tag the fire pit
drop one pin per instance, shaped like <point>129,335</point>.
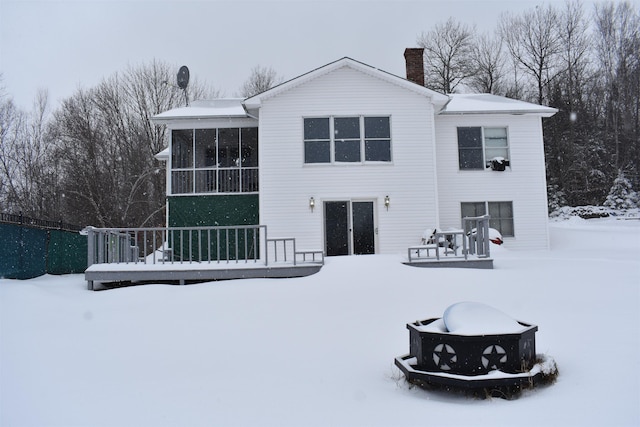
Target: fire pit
<point>474,346</point>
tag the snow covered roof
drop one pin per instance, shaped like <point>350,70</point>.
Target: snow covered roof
<point>256,100</point>
<point>485,103</point>
<point>217,108</point>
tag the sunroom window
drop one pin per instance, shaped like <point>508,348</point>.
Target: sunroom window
<point>347,139</point>
<point>223,160</point>
<point>481,147</point>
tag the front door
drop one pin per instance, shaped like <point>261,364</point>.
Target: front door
<point>349,228</point>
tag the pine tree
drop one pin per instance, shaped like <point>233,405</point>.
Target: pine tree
<point>621,195</point>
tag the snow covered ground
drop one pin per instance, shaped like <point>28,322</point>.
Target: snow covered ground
<point>319,351</point>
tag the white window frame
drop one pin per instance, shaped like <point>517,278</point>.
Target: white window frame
<point>219,171</point>
<point>492,220</point>
<point>486,161</point>
<point>362,138</point>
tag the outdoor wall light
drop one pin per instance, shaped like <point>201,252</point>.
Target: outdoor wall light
<point>312,203</point>
<point>387,202</point>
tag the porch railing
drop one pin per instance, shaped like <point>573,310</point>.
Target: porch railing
<point>473,239</point>
<point>477,230</point>
<point>171,245</point>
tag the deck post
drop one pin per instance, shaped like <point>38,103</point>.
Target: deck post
<point>266,248</point>
<point>91,246</point>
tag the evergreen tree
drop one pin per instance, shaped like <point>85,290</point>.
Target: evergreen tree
<point>621,195</point>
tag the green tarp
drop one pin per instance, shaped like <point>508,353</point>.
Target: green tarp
<point>27,252</point>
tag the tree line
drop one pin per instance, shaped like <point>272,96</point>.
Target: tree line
<point>585,63</point>
<point>91,160</point>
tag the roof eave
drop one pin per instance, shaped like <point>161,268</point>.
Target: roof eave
<point>547,113</point>
<point>255,101</point>
<point>169,120</point>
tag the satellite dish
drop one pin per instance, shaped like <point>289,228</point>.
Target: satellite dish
<point>183,77</point>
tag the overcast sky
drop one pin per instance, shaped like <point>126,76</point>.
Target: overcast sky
<point>63,45</point>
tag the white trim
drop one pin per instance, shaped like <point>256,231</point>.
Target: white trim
<point>256,100</point>
<point>485,103</point>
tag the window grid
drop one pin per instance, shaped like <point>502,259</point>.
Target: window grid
<point>208,175</point>
<point>323,148</point>
<point>477,146</point>
<point>501,214</point>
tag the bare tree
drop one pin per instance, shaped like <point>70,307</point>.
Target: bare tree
<point>25,172</point>
<point>617,36</point>
<point>574,50</point>
<point>533,42</point>
<point>569,134</point>
<point>260,80</point>
<point>448,53</point>
<point>489,59</point>
<point>106,146</point>
<point>11,132</point>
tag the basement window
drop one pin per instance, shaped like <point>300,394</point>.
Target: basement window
<point>501,214</point>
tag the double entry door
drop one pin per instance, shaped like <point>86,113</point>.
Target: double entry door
<point>349,228</point>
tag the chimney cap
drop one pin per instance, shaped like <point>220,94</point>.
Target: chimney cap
<point>413,51</point>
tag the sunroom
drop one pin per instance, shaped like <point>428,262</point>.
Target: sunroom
<point>212,164</point>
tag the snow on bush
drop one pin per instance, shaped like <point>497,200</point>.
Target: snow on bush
<point>589,212</point>
<point>621,195</point>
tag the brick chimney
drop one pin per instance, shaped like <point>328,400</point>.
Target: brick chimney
<point>414,58</point>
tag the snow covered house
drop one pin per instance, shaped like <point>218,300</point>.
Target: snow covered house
<point>350,159</point>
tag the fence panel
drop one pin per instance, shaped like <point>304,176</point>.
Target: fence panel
<point>66,252</point>
<point>23,252</point>
<point>29,249</point>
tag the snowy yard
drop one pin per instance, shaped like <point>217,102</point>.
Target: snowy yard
<point>319,350</point>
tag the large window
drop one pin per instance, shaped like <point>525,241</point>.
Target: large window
<point>221,160</point>
<point>501,214</point>
<point>478,146</point>
<point>347,139</point>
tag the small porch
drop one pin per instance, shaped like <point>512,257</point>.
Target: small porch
<point>192,254</point>
<point>469,247</point>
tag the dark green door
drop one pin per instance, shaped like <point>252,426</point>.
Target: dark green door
<point>349,228</point>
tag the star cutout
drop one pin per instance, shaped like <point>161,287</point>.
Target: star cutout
<point>493,356</point>
<point>444,356</point>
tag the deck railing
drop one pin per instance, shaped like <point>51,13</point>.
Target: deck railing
<point>162,245</point>
<point>477,230</point>
<point>473,239</point>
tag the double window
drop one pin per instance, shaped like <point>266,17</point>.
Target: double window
<point>221,160</point>
<point>501,214</point>
<point>480,147</point>
<point>347,139</point>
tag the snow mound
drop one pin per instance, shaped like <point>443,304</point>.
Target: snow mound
<point>473,318</point>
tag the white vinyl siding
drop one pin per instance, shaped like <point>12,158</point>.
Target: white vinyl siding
<point>287,183</point>
<point>524,185</point>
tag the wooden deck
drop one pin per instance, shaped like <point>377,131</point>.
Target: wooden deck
<point>452,262</point>
<point>180,255</point>
<point>455,248</point>
<point>107,276</point>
